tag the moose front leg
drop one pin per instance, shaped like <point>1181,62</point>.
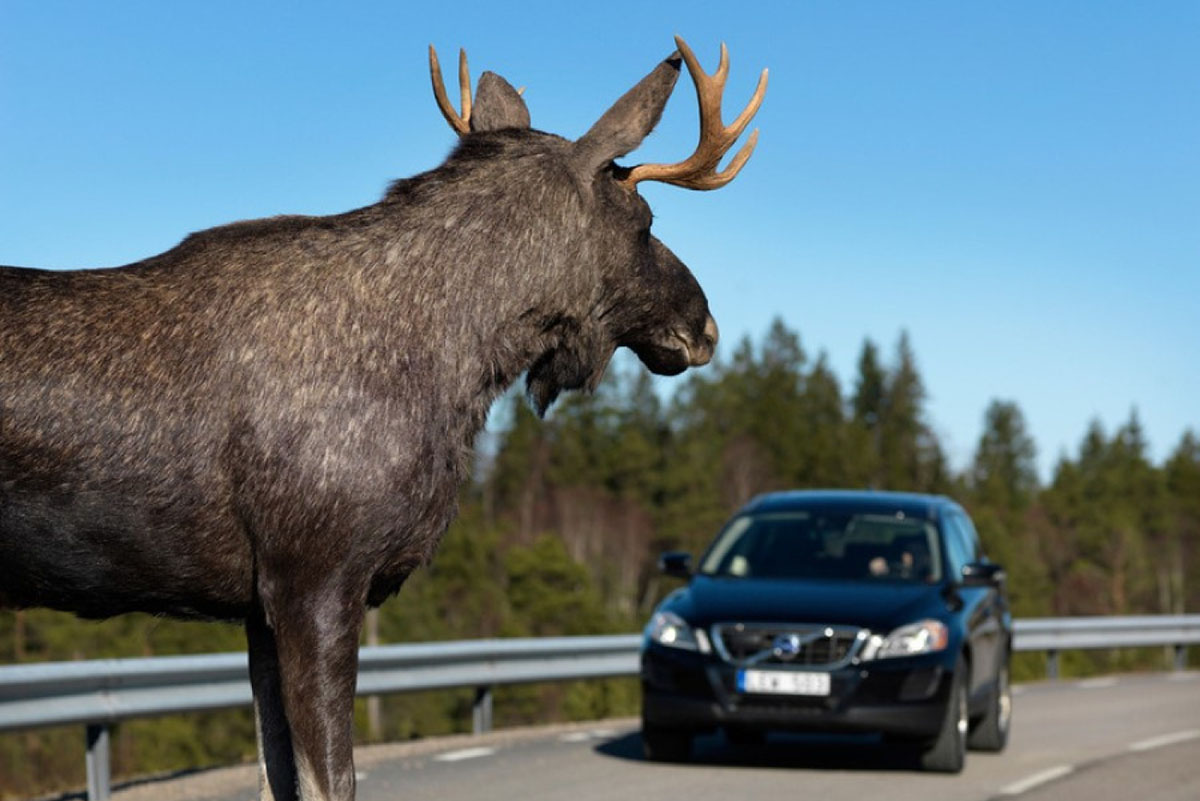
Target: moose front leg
<point>316,638</point>
<point>276,764</point>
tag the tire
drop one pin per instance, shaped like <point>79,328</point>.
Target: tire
<point>745,738</point>
<point>991,731</point>
<point>665,745</point>
<point>948,752</point>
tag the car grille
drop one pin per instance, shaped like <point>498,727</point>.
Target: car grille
<point>776,644</point>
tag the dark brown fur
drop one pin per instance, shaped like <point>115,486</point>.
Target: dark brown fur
<point>270,421</point>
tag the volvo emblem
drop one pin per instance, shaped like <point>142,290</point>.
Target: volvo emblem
<point>786,647</point>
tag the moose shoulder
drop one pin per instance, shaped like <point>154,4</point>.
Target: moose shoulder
<point>270,421</point>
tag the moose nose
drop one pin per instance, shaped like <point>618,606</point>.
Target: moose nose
<point>703,352</point>
<point>710,332</point>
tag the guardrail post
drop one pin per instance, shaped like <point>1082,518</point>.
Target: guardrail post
<point>1180,656</point>
<point>1051,664</point>
<point>99,765</point>
<point>481,714</point>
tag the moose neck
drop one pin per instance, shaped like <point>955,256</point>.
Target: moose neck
<point>499,271</point>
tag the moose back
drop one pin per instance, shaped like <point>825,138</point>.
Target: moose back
<point>270,421</point>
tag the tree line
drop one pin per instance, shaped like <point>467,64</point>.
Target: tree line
<point>560,529</point>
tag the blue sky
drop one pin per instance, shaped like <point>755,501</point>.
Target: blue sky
<point>1016,184</point>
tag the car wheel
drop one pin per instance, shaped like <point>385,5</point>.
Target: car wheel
<point>745,737</point>
<point>665,745</point>
<point>948,752</point>
<point>991,732</point>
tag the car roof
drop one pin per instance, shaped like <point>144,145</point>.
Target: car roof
<point>912,504</point>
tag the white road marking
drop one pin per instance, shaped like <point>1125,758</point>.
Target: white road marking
<point>1165,739</point>
<point>466,753</point>
<point>583,736</point>
<point>1036,780</point>
<point>1096,684</point>
<point>1188,676</point>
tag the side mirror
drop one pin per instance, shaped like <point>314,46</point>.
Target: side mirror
<point>983,574</point>
<point>676,564</point>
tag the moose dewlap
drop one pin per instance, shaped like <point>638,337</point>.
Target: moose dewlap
<point>270,421</point>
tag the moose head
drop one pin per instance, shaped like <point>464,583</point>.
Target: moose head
<point>646,299</point>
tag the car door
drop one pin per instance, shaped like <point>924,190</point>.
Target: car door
<point>983,606</point>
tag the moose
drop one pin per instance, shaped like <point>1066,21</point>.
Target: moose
<point>270,422</point>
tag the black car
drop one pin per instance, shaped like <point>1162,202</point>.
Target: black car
<point>834,611</point>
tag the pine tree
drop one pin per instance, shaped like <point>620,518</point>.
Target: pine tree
<point>1003,485</point>
<point>517,481</point>
<point>864,434</point>
<point>824,437</point>
<point>775,404</point>
<point>1179,579</point>
<point>870,386</point>
<point>910,456</point>
<point>1003,474</point>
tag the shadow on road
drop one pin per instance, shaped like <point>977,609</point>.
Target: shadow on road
<point>164,778</point>
<point>781,751</point>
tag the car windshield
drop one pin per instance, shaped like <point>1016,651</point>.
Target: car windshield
<point>842,544</point>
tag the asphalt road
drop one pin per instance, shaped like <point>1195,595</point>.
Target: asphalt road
<point>1128,737</point>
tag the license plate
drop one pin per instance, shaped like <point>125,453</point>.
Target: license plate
<point>782,682</point>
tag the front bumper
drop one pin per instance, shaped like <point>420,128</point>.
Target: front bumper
<point>904,696</point>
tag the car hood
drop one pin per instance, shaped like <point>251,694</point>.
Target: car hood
<point>879,606</point>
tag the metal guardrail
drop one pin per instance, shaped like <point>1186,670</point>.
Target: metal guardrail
<point>102,692</point>
<point>1056,634</point>
<point>99,693</point>
<point>111,690</point>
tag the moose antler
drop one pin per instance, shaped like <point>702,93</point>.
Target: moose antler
<point>699,171</point>
<point>459,122</point>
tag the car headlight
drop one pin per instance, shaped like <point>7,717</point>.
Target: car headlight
<point>922,637</point>
<point>669,629</point>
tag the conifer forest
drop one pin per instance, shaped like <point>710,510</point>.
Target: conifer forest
<point>560,530</point>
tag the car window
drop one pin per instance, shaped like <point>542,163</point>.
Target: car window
<point>837,544</point>
<point>976,548</point>
<point>960,549</point>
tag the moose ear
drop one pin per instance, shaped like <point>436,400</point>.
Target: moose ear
<point>497,105</point>
<point>630,120</point>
